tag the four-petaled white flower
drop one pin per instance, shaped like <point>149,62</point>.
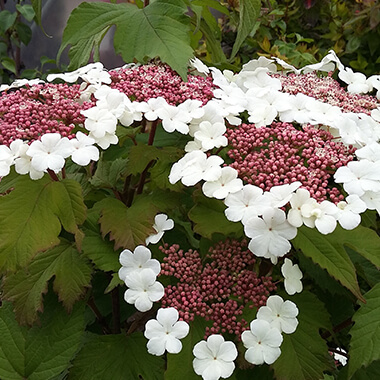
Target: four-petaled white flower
<point>143,289</point>
<point>137,261</point>
<point>262,341</point>
<point>270,234</point>
<point>214,358</point>
<point>226,184</point>
<point>83,149</point>
<point>165,332</point>
<point>292,277</point>
<point>49,152</point>
<point>280,314</point>
<point>349,211</point>
<point>161,224</point>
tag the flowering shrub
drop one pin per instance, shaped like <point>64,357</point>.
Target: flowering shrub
<point>220,227</point>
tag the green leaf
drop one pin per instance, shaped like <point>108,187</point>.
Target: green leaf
<point>26,287</point>
<point>108,173</point>
<point>116,357</point>
<point>369,373</point>
<point>7,19</point>
<point>27,11</point>
<point>9,64</point>
<point>127,226</point>
<point>41,352</point>
<point>158,30</point>
<point>100,252</point>
<point>362,240</point>
<point>24,33</point>
<point>365,333</point>
<point>37,7</point>
<point>208,216</point>
<point>329,253</point>
<point>304,354</point>
<point>249,12</point>
<point>32,223</point>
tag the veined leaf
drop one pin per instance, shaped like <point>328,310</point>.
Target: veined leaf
<point>33,353</point>
<point>304,354</point>
<point>26,287</point>
<point>365,333</point>
<point>249,12</point>
<point>208,216</point>
<point>31,217</point>
<point>127,226</point>
<point>158,30</point>
<point>116,357</point>
<point>328,253</point>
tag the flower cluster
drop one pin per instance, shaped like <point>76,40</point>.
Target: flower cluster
<point>217,290</point>
<point>139,272</point>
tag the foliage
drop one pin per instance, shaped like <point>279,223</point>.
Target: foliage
<point>66,231</point>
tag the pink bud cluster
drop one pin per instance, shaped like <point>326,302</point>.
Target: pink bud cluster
<point>327,90</point>
<point>280,153</point>
<point>28,113</point>
<point>142,83</point>
<point>217,288</point>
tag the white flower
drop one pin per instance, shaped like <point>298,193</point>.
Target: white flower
<point>298,199</point>
<point>359,176</point>
<point>292,277</point>
<point>323,215</point>
<point>246,203</point>
<point>151,107</point>
<point>270,235</point>
<point>262,342</point>
<point>143,289</point>
<point>73,76</point>
<point>173,119</point>
<point>165,332</point>
<point>105,141</point>
<point>99,121</point>
<point>211,135</point>
<point>281,315</point>
<point>137,261</point>
<point>50,152</point>
<point>349,210</point>
<point>111,100</point>
<point>161,224</point>
<point>214,358</point>
<point>6,160</point>
<point>260,62</point>
<point>199,66</point>
<point>357,82</point>
<point>84,151</point>
<point>369,152</point>
<point>23,162</point>
<point>194,167</point>
<point>280,195</point>
<point>372,200</point>
<point>227,183</point>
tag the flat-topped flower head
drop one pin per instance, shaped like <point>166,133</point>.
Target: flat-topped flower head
<point>165,332</point>
<point>214,358</point>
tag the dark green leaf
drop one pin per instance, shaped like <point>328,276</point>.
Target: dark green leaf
<point>24,33</point>
<point>27,11</point>
<point>249,12</point>
<point>26,287</point>
<point>208,216</point>
<point>37,7</point>
<point>33,353</point>
<point>365,333</point>
<point>9,64</point>
<point>116,357</point>
<point>7,19</point>
<point>328,252</point>
<point>304,354</point>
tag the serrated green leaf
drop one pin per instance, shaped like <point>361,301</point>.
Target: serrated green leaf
<point>107,173</point>
<point>32,223</point>
<point>208,216</point>
<point>158,30</point>
<point>249,12</point>
<point>127,226</point>
<point>329,253</point>
<point>116,357</point>
<point>32,353</point>
<point>100,252</point>
<point>26,287</point>
<point>304,354</point>
<point>365,333</point>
